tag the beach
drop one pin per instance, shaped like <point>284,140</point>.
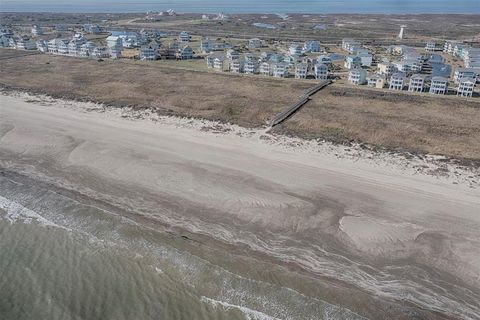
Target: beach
<point>323,230</point>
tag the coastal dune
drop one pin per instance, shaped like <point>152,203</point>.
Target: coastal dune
<point>411,240</point>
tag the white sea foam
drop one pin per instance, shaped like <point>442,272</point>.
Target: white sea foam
<point>250,314</point>
<point>15,212</point>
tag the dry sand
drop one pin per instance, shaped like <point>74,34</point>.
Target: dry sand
<point>375,221</point>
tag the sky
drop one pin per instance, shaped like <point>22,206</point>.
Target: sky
<point>247,6</point>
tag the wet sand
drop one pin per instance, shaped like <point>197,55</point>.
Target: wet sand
<point>405,245</point>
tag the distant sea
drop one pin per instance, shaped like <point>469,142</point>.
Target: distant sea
<point>247,6</point>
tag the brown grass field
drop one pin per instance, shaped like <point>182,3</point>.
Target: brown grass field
<point>444,125</point>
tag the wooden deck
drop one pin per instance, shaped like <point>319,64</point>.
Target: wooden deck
<point>286,113</point>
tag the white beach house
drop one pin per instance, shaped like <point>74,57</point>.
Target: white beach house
<point>206,45</point>
<point>353,62</point>
<point>280,70</point>
<point>439,85</point>
<point>184,36</point>
<point>376,81</point>
<point>255,43</point>
<point>100,52</point>
<point>37,31</point>
<point>250,66</point>
<point>301,70</point>
<point>321,71</point>
<point>430,46</point>
<point>26,44</point>
<point>324,59</point>
<point>295,49</point>
<point>465,73</point>
<point>115,46</point>
<point>351,45</point>
<point>386,68</point>
<point>86,49</point>
<point>236,66</point>
<point>397,81</point>
<point>148,53</point>
<point>417,83</point>
<point>466,87</point>
<point>265,69</point>
<point>219,63</point>
<point>42,46</point>
<point>185,53</point>
<point>311,46</point>
<point>357,76</point>
<point>233,54</point>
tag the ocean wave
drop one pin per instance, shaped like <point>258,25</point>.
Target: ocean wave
<point>250,314</point>
<point>15,212</point>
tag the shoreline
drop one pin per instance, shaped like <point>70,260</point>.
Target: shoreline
<point>253,190</point>
<point>443,168</point>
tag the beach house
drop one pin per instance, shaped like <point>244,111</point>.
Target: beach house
<point>416,83</point>
<point>430,46</point>
<point>324,59</point>
<point>321,71</point>
<point>210,59</point>
<point>366,59</point>
<point>53,45</point>
<point>465,73</point>
<point>148,53</point>
<point>465,87</point>
<point>353,62</point>
<point>37,31</point>
<point>265,69</point>
<point>115,46</point>
<point>357,76</point>
<point>250,66</point>
<point>87,48</point>
<point>92,28</point>
<point>376,81</point>
<point>301,70</point>
<point>236,66</point>
<point>351,45</point>
<point>25,43</point>
<point>386,68</point>
<point>233,54</point>
<point>255,43</point>
<point>206,45</point>
<point>280,69</point>
<point>184,36</point>
<point>397,81</point>
<point>185,53</point>
<point>172,49</point>
<point>74,47</point>
<point>439,85</point>
<point>295,49</point>
<point>4,40</point>
<point>63,46</point>
<point>100,52</point>
<point>219,63</point>
<point>311,46</point>
<point>42,45</point>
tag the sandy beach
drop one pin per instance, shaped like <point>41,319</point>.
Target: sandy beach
<point>399,232</point>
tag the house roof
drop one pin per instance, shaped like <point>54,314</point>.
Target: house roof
<point>398,75</point>
<point>439,79</point>
<point>418,76</point>
<point>469,80</point>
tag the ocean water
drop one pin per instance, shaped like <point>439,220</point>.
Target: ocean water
<point>62,257</point>
<point>248,6</point>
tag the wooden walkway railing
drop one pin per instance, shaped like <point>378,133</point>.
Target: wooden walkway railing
<point>285,114</point>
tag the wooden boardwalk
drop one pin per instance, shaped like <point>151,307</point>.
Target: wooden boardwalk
<point>285,114</point>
